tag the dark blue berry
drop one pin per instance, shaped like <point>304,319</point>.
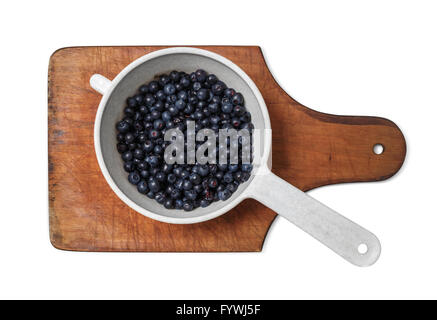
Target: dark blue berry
<point>138,154</point>
<point>237,99</point>
<point>187,185</point>
<point>123,126</point>
<point>134,177</point>
<point>168,204</point>
<point>129,166</point>
<point>228,178</point>
<point>169,89</point>
<point>142,187</point>
<point>224,195</point>
<point>154,185</point>
<point>127,156</point>
<point>190,194</point>
<point>227,107</point>
<point>187,206</point>
<point>153,86</point>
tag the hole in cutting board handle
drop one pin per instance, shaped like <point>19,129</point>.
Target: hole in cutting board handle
<point>378,148</point>
<point>362,248</point>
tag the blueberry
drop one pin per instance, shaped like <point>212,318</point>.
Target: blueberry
<point>228,178</point>
<point>171,178</point>
<point>238,99</point>
<point>158,106</point>
<point>229,92</point>
<point>166,116</point>
<point>160,95</point>
<point>153,161</point>
<point>190,194</point>
<point>142,187</point>
<point>144,173</point>
<point>173,110</point>
<point>178,203</point>
<point>192,77</point>
<point>134,177</point>
<point>211,79</point>
<point>193,99</point>
<point>178,171</point>
<point>154,134</point>
<point>232,187</point>
<point>174,76</point>
<point>127,156</point>
<point>129,111</point>
<point>138,154</point>
<point>149,100</point>
<point>202,94</point>
<point>158,149</point>
<point>179,184</point>
<point>122,147</point>
<point>185,82</point>
<point>139,99</point>
<point>169,89</point>
<point>154,185</point>
<point>160,176</point>
<point>155,114</point>
<point>180,104</point>
<point>153,86</point>
<point>198,115</point>
<point>201,75</point>
<point>197,86</point>
<point>219,175</point>
<point>204,203</point>
<point>167,168</point>
<point>129,166</point>
<point>246,117</point>
<point>224,195</point>
<point>175,193</point>
<point>187,185</point>
<point>150,195</point>
<point>239,110</point>
<point>144,89</point>
<point>185,174</point>
<point>238,176</point>
<point>123,126</point>
<point>131,102</point>
<point>147,146</point>
<point>168,204</point>
<point>187,206</point>
<point>213,183</point>
<point>158,124</point>
<point>148,125</point>
<point>189,109</point>
<point>235,122</point>
<point>160,197</point>
<point>203,170</point>
<point>227,107</point>
<point>195,178</point>
<point>182,95</point>
<point>164,79</point>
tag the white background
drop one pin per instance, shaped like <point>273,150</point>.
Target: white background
<point>343,57</point>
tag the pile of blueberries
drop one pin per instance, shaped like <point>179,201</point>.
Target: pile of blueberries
<point>168,102</point>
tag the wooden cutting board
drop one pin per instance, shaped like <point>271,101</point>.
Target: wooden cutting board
<point>85,215</point>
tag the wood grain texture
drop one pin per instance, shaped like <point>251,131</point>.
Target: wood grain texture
<point>310,149</point>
